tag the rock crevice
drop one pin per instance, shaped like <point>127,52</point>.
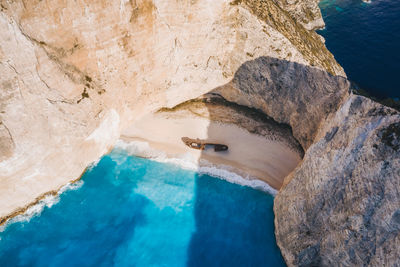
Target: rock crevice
<point>70,66</point>
<point>75,74</point>
<point>340,204</point>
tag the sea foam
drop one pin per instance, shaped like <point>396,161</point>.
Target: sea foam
<point>189,162</point>
<point>143,149</point>
<point>48,201</point>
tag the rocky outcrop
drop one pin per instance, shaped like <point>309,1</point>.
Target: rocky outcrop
<point>305,12</point>
<point>308,42</point>
<point>290,93</point>
<point>341,206</point>
<point>217,109</point>
<point>75,74</point>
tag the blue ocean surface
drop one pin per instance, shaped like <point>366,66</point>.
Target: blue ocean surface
<point>132,211</point>
<point>365,40</point>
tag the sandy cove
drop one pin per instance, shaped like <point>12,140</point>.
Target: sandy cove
<point>250,155</point>
<point>259,148</point>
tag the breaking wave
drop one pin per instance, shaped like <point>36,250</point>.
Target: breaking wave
<point>189,162</point>
<point>48,201</point>
<point>144,150</point>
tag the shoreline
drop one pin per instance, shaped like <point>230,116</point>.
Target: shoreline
<point>268,158</point>
<point>4,220</point>
<point>172,153</point>
<point>240,176</point>
<point>260,155</point>
<point>229,173</point>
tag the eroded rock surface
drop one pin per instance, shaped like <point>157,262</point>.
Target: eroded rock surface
<point>341,206</point>
<point>291,93</point>
<point>75,73</point>
<point>308,42</point>
<point>6,142</point>
<point>305,12</point>
<point>215,108</point>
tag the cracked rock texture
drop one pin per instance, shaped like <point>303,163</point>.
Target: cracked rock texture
<point>309,43</point>
<point>341,206</point>
<point>74,74</point>
<point>290,93</point>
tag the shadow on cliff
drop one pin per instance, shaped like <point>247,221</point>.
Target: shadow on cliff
<point>235,225</point>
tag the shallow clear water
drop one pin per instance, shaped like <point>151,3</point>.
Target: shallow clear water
<point>365,40</point>
<point>136,212</point>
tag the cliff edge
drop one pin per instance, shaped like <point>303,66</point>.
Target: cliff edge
<point>74,75</point>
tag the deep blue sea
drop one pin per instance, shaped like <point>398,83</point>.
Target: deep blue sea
<point>365,40</point>
<point>130,211</point>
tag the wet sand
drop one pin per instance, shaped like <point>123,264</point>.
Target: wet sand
<point>249,154</point>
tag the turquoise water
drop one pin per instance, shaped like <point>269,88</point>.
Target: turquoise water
<point>365,40</point>
<point>136,212</point>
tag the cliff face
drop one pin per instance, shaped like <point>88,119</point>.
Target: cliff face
<point>305,12</point>
<point>75,74</point>
<point>307,42</point>
<point>290,93</point>
<point>342,204</point>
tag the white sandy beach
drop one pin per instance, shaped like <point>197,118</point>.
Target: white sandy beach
<point>249,154</point>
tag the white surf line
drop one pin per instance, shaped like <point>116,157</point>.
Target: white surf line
<point>143,149</point>
<point>187,161</point>
<point>47,201</point>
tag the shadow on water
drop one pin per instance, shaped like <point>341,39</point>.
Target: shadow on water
<point>132,211</point>
<point>241,232</point>
<point>232,232</point>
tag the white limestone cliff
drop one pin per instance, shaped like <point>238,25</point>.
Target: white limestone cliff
<point>75,74</point>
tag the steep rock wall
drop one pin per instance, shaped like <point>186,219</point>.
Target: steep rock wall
<point>75,73</point>
<point>289,92</point>
<point>309,43</point>
<point>341,206</point>
<point>305,12</point>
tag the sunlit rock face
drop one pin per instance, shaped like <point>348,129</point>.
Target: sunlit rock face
<point>75,73</point>
<point>306,12</point>
<point>309,43</point>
